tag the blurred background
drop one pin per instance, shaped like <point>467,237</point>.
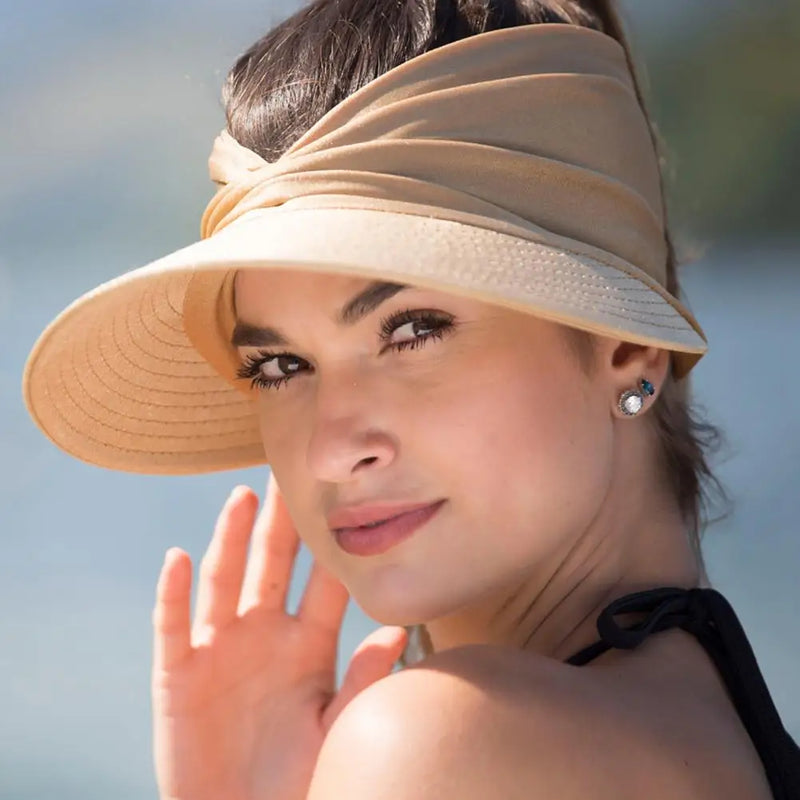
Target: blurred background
<point>109,111</point>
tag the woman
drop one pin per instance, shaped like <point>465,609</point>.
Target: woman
<point>436,293</point>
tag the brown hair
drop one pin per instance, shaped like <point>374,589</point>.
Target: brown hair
<point>310,62</point>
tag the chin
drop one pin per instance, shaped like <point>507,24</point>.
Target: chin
<point>390,611</point>
<point>389,597</point>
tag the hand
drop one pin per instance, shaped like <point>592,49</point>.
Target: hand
<point>244,696</point>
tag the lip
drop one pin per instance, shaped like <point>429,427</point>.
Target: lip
<point>366,514</point>
<point>380,538</point>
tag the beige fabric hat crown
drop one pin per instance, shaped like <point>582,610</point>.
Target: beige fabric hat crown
<point>515,167</point>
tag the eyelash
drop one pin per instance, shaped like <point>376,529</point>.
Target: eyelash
<point>440,324</point>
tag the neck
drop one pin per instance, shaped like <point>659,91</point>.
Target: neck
<point>636,541</point>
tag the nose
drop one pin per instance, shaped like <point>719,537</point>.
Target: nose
<point>346,437</point>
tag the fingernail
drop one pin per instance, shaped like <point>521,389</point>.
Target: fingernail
<point>239,492</point>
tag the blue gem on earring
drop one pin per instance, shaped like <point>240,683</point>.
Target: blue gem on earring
<point>647,387</point>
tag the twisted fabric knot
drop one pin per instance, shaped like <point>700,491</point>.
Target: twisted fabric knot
<point>535,131</point>
<point>668,607</point>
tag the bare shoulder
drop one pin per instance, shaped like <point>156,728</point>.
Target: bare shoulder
<point>480,721</point>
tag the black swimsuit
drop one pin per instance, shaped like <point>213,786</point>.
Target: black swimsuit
<point>708,615</point>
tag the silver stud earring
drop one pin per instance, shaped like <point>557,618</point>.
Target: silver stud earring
<point>631,401</point>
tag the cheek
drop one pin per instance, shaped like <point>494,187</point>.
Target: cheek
<point>535,440</point>
<point>281,449</point>
<point>278,437</point>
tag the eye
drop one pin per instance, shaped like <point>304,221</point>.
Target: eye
<point>416,327</point>
<point>269,370</point>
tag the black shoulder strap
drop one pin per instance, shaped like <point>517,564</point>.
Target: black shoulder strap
<point>707,615</point>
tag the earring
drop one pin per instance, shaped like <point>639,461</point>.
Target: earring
<point>631,401</point>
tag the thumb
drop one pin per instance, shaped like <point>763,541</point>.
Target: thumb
<point>372,660</point>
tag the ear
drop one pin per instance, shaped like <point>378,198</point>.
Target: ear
<point>625,363</point>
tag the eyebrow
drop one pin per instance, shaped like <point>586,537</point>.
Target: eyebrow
<point>361,304</point>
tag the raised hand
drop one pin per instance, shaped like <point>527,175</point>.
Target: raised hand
<point>244,695</point>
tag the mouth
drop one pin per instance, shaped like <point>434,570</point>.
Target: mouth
<point>378,536</point>
<point>370,515</point>
<point>376,524</point>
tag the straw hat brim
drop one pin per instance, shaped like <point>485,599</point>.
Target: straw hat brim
<point>115,380</point>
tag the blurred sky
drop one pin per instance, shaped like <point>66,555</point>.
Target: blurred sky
<point>109,113</point>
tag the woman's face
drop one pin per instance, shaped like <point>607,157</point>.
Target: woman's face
<point>427,396</point>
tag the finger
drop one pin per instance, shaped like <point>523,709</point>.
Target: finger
<point>172,614</point>
<point>222,568</point>
<point>273,551</point>
<point>324,600</point>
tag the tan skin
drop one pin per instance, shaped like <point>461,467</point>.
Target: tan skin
<point>509,580</point>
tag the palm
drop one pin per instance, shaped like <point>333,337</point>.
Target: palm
<point>242,701</point>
